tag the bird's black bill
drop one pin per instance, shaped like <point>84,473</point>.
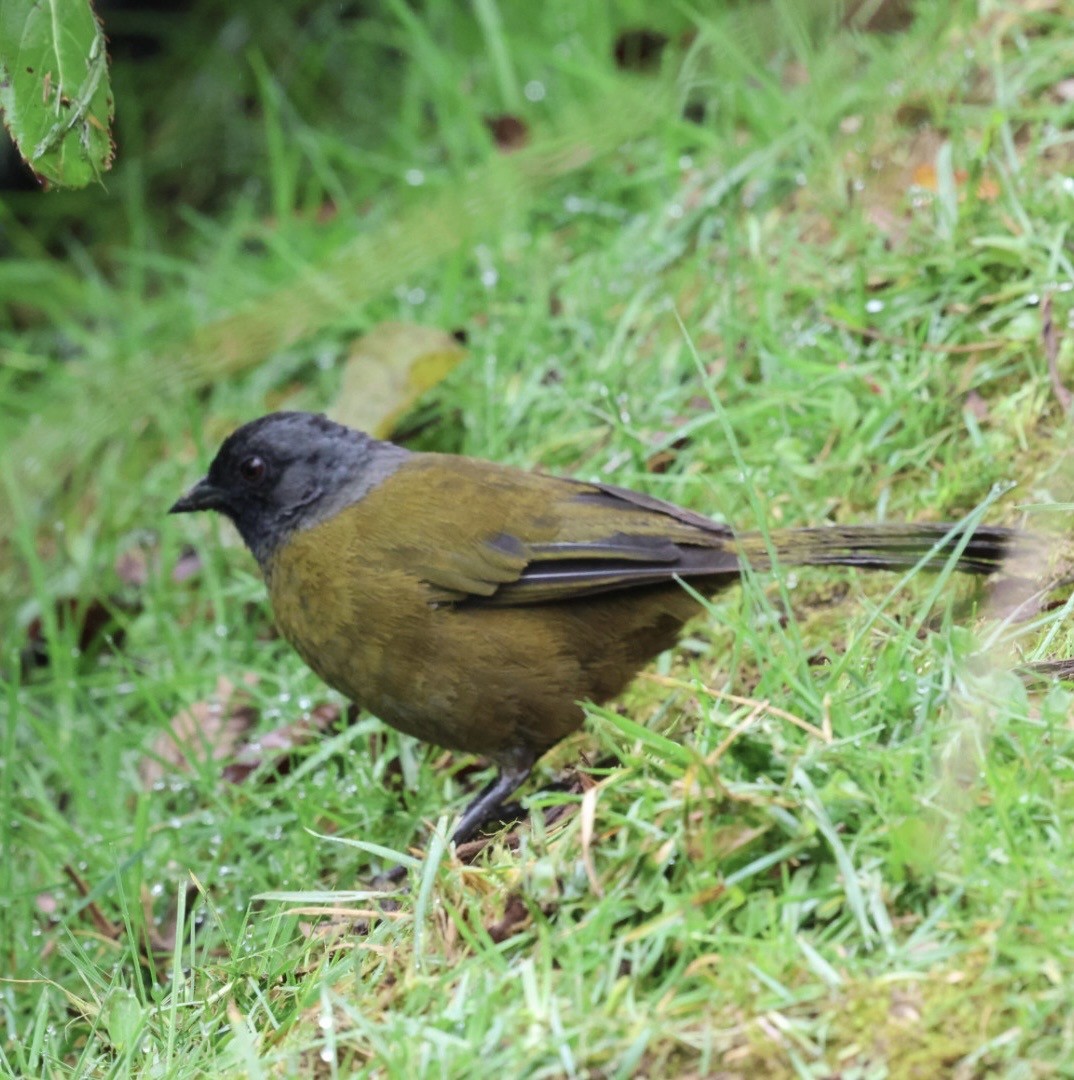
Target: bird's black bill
<point>202,496</point>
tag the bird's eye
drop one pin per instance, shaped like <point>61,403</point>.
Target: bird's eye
<point>253,469</point>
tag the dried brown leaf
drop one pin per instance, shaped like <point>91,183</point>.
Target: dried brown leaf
<point>207,730</point>
<point>136,565</point>
<point>515,918</point>
<point>216,730</point>
<point>187,565</point>
<point>508,132</point>
<point>277,745</point>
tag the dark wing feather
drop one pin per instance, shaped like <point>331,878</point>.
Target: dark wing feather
<point>543,539</point>
<point>536,539</point>
<point>566,579</point>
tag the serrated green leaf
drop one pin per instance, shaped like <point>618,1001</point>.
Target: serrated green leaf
<point>54,89</point>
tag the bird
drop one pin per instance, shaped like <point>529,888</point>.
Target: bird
<point>477,606</point>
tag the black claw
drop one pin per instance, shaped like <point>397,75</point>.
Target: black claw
<point>489,800</point>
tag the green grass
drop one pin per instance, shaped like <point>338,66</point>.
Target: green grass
<point>881,888</point>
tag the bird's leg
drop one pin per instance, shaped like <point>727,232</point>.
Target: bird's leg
<point>490,798</point>
<point>482,807</point>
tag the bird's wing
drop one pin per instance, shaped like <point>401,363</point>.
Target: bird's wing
<point>539,539</point>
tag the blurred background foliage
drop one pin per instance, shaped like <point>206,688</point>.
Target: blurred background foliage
<point>281,168</point>
<point>786,261</point>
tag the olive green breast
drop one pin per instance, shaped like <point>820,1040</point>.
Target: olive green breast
<point>349,595</point>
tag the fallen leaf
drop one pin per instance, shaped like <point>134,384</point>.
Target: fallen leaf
<point>216,730</point>
<point>508,132</point>
<point>187,565</point>
<point>388,369</point>
<point>207,730</point>
<point>137,564</point>
<point>515,917</point>
<point>276,746</point>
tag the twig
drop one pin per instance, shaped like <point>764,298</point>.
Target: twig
<point>104,925</point>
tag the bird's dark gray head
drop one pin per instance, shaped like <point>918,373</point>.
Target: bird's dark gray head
<point>287,471</point>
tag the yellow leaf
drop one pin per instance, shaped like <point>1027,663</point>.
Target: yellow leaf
<point>388,369</point>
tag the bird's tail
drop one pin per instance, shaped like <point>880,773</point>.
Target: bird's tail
<point>878,547</point>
